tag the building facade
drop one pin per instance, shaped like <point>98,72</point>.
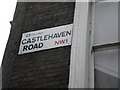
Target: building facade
<point>47,68</point>
<point>90,61</point>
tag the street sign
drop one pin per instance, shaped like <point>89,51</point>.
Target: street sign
<point>46,39</point>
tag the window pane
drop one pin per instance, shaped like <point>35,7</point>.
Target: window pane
<point>106,23</point>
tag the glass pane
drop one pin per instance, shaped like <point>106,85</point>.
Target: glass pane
<point>106,23</point>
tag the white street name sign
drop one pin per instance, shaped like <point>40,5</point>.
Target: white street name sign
<point>46,39</point>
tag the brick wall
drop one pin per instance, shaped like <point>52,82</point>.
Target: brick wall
<point>41,69</point>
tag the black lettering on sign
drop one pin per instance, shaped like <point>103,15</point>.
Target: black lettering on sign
<point>24,41</point>
<point>33,39</point>
<point>32,46</point>
<point>68,33</point>
<point>40,45</point>
<point>25,48</point>
<point>29,40</point>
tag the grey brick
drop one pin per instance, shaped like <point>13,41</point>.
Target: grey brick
<point>41,69</point>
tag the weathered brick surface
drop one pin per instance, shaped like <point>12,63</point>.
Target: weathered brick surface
<point>41,69</point>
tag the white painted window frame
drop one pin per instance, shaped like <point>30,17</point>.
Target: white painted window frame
<point>82,58</point>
